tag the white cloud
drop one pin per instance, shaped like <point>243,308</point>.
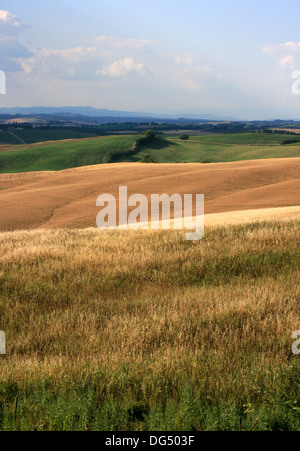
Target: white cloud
<point>186,58</point>
<point>287,54</point>
<point>121,44</point>
<point>10,48</point>
<point>10,25</point>
<point>123,67</point>
<point>288,60</point>
<point>105,56</point>
<point>77,63</point>
<point>135,68</point>
<point>185,77</point>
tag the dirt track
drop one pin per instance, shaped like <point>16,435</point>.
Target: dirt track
<point>68,198</point>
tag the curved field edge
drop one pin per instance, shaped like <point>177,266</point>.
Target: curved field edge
<point>146,331</point>
<point>60,155</point>
<point>67,199</point>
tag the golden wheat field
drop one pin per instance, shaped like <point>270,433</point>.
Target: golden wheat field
<point>67,198</point>
<point>112,330</point>
<point>149,219</point>
<point>124,330</point>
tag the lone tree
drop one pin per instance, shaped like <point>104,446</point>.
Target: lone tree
<point>184,137</point>
<point>147,159</point>
<point>150,134</point>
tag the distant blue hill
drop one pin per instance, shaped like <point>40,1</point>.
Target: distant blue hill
<point>82,111</point>
<point>215,114</point>
<point>94,112</point>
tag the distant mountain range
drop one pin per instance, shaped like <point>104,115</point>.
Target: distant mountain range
<point>76,111</point>
<point>214,114</point>
<point>94,112</point>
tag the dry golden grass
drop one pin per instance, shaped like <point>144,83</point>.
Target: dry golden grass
<point>248,216</point>
<point>140,315</point>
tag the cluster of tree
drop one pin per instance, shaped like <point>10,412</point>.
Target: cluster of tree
<point>147,159</point>
<point>16,125</point>
<point>279,132</point>
<point>290,141</point>
<point>114,156</point>
<point>145,138</point>
<point>184,137</point>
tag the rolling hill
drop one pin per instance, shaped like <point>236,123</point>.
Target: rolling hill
<point>67,199</point>
<point>111,329</point>
<point>60,155</point>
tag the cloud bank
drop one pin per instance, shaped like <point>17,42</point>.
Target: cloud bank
<point>11,50</point>
<point>124,73</point>
<point>287,54</point>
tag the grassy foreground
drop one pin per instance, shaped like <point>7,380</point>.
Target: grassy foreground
<point>146,331</point>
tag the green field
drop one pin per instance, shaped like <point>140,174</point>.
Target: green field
<point>63,155</point>
<point>7,138</point>
<point>245,138</point>
<point>224,148</point>
<point>31,136</point>
<point>170,149</point>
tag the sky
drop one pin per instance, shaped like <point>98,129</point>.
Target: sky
<point>234,58</point>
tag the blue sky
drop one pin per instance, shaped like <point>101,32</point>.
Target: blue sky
<point>234,58</point>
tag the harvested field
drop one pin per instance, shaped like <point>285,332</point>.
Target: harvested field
<point>67,199</point>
